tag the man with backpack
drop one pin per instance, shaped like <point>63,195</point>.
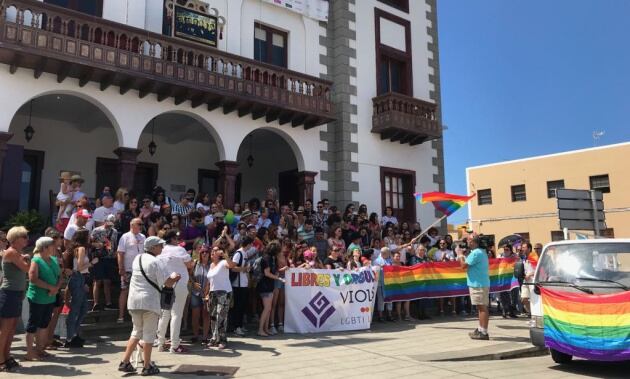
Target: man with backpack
<point>240,284</point>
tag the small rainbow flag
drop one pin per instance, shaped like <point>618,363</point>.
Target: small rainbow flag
<point>532,258</point>
<point>444,202</point>
<point>442,279</point>
<point>588,326</point>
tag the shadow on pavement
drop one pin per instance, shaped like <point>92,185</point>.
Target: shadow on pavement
<point>595,369</point>
<point>510,339</point>
<point>57,370</point>
<point>513,327</point>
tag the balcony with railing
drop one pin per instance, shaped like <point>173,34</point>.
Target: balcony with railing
<point>402,118</point>
<point>47,38</point>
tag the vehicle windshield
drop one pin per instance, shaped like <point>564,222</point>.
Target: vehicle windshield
<point>589,264</point>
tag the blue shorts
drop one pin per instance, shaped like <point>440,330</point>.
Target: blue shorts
<point>11,303</point>
<point>278,284</point>
<point>264,295</point>
<point>196,301</point>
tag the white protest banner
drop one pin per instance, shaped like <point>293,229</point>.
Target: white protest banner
<point>329,300</point>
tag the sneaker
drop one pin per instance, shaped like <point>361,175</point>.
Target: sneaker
<point>222,346</point>
<point>244,329</point>
<point>162,348</point>
<point>239,332</point>
<point>151,370</point>
<point>120,320</point>
<point>110,307</point>
<point>477,335</point>
<point>273,331</point>
<point>281,328</point>
<point>126,367</point>
<point>179,350</point>
<point>204,341</point>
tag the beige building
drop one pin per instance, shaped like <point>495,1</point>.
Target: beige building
<point>519,196</point>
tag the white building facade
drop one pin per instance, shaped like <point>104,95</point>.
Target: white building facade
<point>336,100</point>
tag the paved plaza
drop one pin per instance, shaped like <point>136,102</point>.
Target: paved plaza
<point>439,348</point>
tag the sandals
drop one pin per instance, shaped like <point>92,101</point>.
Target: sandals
<point>11,364</point>
<point>151,370</point>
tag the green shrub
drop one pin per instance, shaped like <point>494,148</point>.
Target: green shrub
<point>31,220</point>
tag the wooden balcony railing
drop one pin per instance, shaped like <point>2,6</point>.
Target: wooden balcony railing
<point>402,118</point>
<point>47,38</point>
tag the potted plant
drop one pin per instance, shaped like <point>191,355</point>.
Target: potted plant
<point>32,220</point>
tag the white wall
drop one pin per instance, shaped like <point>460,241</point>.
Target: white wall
<point>179,162</point>
<point>374,152</point>
<point>272,155</point>
<point>129,116</point>
<point>66,149</point>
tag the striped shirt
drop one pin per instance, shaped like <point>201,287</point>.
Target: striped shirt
<point>183,211</point>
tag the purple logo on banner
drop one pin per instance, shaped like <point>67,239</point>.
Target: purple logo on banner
<point>319,311</point>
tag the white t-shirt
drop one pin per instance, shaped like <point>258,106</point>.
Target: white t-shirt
<point>386,219</point>
<point>174,259</point>
<point>119,206</point>
<point>89,225</point>
<point>132,245</point>
<point>219,277</point>
<point>208,220</point>
<point>69,232</point>
<point>439,255</point>
<point>238,256</point>
<point>101,213</point>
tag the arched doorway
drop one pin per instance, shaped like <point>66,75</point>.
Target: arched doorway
<point>185,151</point>
<point>267,160</point>
<point>67,133</point>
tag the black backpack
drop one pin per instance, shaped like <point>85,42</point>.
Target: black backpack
<point>519,269</point>
<point>234,274</point>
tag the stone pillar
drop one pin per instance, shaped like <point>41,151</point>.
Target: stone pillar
<point>127,161</point>
<point>228,170</point>
<point>306,182</point>
<point>4,138</point>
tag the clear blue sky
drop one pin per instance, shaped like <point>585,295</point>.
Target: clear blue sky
<point>523,78</point>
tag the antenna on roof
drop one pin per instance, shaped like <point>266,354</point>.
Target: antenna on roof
<point>597,134</point>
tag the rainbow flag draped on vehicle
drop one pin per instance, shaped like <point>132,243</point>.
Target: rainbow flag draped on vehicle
<point>588,326</point>
<point>442,279</point>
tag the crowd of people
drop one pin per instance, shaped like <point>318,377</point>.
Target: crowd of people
<point>198,262</point>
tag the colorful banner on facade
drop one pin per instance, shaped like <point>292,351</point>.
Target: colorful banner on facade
<point>329,300</point>
<point>315,9</point>
<point>195,26</point>
<point>442,279</point>
<point>588,326</point>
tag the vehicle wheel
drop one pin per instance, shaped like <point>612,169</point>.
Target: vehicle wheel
<point>559,357</point>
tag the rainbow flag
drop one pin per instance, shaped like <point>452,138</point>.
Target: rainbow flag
<point>444,202</point>
<point>588,326</point>
<point>442,279</point>
<point>532,258</point>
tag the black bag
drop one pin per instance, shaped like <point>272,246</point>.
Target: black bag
<point>519,269</point>
<point>167,294</point>
<point>234,274</point>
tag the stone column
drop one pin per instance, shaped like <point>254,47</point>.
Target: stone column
<point>127,161</point>
<point>228,170</point>
<point>306,182</point>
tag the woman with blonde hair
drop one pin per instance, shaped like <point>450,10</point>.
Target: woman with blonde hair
<point>122,198</point>
<point>15,265</point>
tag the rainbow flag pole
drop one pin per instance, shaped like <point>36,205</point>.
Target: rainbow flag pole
<point>444,202</point>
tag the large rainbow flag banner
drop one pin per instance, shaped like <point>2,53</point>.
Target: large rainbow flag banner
<point>444,202</point>
<point>442,279</point>
<point>588,326</point>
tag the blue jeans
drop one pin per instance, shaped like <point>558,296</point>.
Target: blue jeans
<point>78,304</point>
